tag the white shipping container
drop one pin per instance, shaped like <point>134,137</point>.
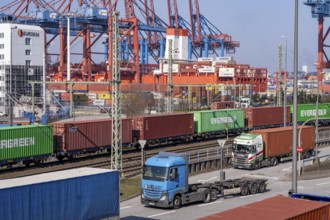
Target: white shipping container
<point>99,102</point>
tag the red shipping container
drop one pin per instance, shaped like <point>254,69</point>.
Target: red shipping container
<point>277,207</point>
<point>163,126</point>
<point>266,116</point>
<point>222,105</point>
<point>71,136</point>
<point>98,87</point>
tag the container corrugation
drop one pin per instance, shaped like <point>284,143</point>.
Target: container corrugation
<point>163,126</point>
<point>278,141</point>
<point>82,193</point>
<point>218,120</point>
<point>25,141</point>
<point>277,207</point>
<point>266,116</point>
<point>222,105</point>
<point>81,87</point>
<point>84,135</point>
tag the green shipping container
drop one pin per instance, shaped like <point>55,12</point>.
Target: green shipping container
<point>19,142</point>
<point>308,111</point>
<point>218,120</point>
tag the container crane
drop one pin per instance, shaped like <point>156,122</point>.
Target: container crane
<point>321,9</point>
<point>205,36</point>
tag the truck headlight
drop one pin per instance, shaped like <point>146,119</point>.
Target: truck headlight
<point>164,197</point>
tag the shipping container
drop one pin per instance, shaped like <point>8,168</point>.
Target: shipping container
<point>82,193</point>
<point>275,208</point>
<point>74,137</point>
<point>278,141</point>
<point>25,143</point>
<point>152,127</point>
<point>308,111</point>
<point>266,116</point>
<point>65,97</point>
<point>218,120</point>
<point>222,105</point>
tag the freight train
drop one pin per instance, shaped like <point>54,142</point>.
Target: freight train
<point>66,139</point>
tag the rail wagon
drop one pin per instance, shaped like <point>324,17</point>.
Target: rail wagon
<point>218,121</point>
<point>87,136</point>
<point>27,144</point>
<point>308,111</point>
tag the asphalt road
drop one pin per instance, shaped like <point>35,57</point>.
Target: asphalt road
<point>278,184</point>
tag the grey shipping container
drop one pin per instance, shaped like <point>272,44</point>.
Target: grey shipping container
<point>275,208</point>
<point>278,141</point>
<point>163,126</point>
<point>266,116</point>
<point>75,136</point>
<point>82,193</point>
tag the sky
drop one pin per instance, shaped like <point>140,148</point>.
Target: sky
<point>258,25</point>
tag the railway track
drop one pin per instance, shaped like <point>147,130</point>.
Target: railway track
<point>197,151</point>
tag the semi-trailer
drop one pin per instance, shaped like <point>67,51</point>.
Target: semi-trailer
<point>82,193</point>
<point>267,147</point>
<point>165,183</point>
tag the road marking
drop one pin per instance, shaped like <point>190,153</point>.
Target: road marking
<point>247,196</point>
<point>126,207</point>
<point>323,183</point>
<point>300,187</point>
<point>164,213</point>
<point>267,177</point>
<point>287,169</point>
<point>209,203</point>
<point>207,179</point>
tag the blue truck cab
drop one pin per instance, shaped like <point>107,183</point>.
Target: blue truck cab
<point>164,177</point>
<point>165,182</point>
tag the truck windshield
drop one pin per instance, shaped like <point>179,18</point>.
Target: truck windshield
<point>240,148</point>
<point>155,173</point>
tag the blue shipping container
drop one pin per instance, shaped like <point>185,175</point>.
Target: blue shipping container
<point>82,193</point>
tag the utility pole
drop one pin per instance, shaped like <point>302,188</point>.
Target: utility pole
<point>116,142</point>
<point>279,77</point>
<point>169,78</point>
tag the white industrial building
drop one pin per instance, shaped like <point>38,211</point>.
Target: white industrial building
<point>21,60</point>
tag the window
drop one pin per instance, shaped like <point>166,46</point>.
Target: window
<point>2,56</point>
<point>2,46</point>
<point>27,52</point>
<point>28,62</point>
<point>2,35</point>
<point>27,41</point>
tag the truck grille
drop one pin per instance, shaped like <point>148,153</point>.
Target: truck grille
<point>153,192</point>
<point>240,160</point>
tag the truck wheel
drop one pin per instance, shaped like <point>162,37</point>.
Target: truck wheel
<point>262,187</point>
<point>177,202</point>
<point>274,161</point>
<point>268,162</point>
<point>207,196</point>
<point>244,190</point>
<point>214,194</point>
<point>254,188</point>
<point>257,165</point>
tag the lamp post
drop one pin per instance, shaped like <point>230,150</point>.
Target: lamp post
<point>294,121</point>
<point>286,69</point>
<point>11,77</point>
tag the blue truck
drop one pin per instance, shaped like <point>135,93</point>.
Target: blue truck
<point>165,183</point>
<point>82,193</point>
